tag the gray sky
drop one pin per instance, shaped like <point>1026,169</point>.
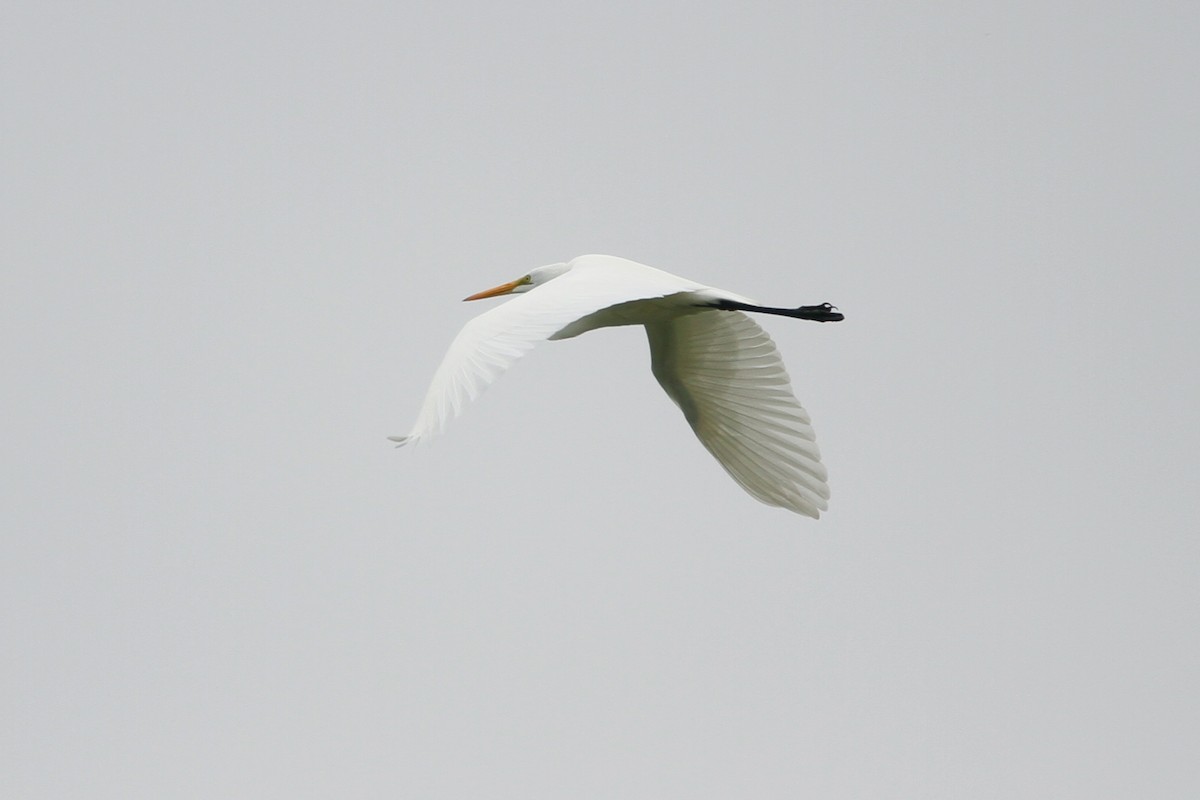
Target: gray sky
<point>235,238</point>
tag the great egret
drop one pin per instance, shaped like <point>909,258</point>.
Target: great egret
<point>715,362</point>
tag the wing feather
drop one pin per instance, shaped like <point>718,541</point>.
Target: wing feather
<point>725,374</point>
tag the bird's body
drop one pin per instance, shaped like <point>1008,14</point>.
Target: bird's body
<point>715,362</point>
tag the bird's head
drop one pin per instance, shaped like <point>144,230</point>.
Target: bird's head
<point>534,279</point>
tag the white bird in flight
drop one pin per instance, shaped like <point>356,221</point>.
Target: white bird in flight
<point>716,363</point>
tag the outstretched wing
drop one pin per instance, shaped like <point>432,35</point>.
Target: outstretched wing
<point>492,342</point>
<point>724,372</point>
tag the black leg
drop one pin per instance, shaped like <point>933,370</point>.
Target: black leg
<point>822,313</point>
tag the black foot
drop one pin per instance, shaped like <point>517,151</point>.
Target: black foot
<point>822,313</point>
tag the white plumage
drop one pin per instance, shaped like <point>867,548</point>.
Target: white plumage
<point>717,364</point>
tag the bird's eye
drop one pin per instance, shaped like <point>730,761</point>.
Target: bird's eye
<point>526,280</point>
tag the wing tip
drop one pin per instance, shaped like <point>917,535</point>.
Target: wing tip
<point>795,502</point>
<point>400,440</point>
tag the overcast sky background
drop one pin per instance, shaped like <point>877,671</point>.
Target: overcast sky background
<point>235,238</point>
